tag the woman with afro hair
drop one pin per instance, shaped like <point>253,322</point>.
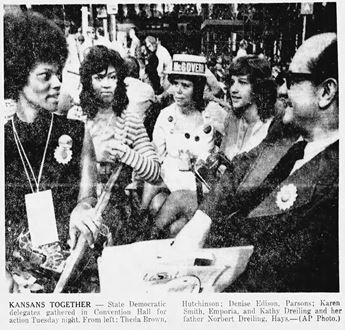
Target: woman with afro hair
<point>50,172</point>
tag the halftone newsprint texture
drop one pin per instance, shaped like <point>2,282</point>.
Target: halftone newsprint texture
<point>263,250</point>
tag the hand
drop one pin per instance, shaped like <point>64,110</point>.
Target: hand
<point>110,151</point>
<point>117,148</point>
<point>193,235</point>
<point>186,160</point>
<point>83,222</point>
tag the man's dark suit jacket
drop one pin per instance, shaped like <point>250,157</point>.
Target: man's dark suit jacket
<point>295,247</point>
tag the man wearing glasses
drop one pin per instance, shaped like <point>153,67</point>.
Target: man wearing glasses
<point>282,197</point>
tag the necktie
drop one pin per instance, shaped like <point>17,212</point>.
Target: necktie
<point>286,164</point>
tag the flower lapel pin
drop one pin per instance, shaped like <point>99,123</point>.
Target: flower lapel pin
<point>286,196</point>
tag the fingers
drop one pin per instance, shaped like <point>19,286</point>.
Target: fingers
<point>117,146</point>
<point>110,154</point>
<point>83,224</point>
<point>88,229</point>
<point>113,157</point>
<point>72,238</point>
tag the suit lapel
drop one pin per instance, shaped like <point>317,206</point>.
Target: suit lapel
<point>269,156</point>
<point>303,181</point>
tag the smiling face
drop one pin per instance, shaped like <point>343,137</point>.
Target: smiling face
<point>241,93</point>
<point>183,92</point>
<point>43,87</point>
<point>104,84</point>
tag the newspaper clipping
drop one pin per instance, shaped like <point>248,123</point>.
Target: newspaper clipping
<point>172,165</point>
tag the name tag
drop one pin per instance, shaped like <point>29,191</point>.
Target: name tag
<point>41,218</point>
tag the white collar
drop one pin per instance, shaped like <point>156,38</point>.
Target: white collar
<point>313,148</point>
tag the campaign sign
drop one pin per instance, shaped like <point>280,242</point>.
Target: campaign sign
<point>189,67</point>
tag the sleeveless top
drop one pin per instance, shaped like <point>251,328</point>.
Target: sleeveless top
<point>61,172</point>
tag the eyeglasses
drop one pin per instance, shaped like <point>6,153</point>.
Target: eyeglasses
<point>295,77</point>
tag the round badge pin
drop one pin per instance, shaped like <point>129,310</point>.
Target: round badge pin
<point>63,152</point>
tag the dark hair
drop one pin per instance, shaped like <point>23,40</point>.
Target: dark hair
<point>151,72</point>
<point>97,60</point>
<point>29,39</point>
<point>259,73</point>
<point>132,66</point>
<point>326,64</point>
<point>100,31</point>
<point>199,83</point>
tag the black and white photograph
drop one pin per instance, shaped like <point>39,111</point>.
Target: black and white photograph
<point>172,164</point>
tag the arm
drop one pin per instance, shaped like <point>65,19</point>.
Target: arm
<point>212,82</point>
<point>88,179</point>
<point>158,138</point>
<point>83,215</point>
<point>194,233</point>
<point>131,146</point>
<point>220,201</point>
<point>142,157</point>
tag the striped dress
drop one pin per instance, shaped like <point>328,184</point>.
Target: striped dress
<point>129,129</point>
